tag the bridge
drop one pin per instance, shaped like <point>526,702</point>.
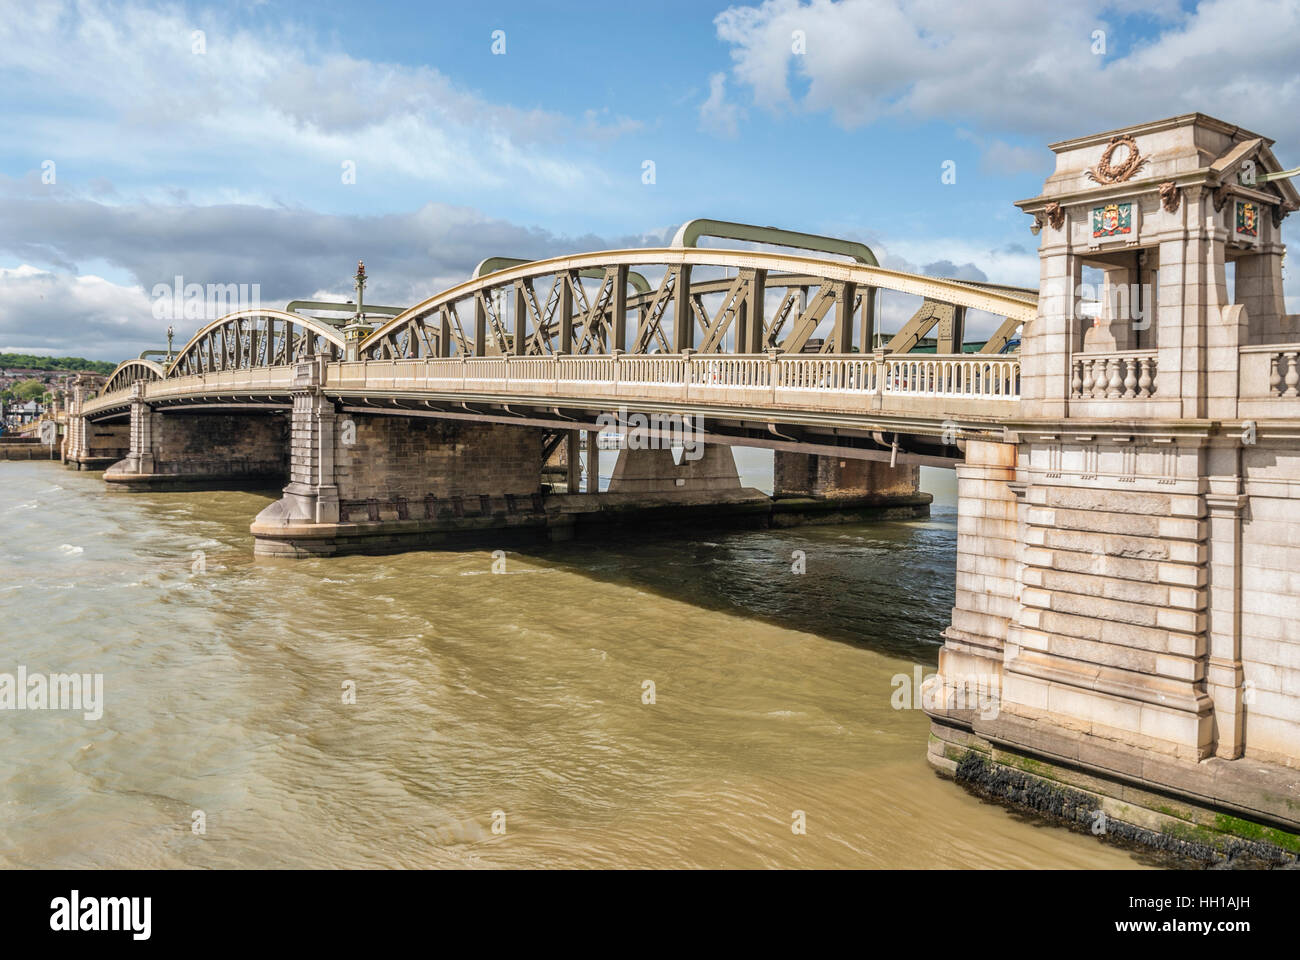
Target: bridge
<point>1128,477</point>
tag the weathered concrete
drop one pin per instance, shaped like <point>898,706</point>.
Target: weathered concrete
<point>819,489</point>
<point>811,475</point>
<point>655,471</point>
<point>100,446</point>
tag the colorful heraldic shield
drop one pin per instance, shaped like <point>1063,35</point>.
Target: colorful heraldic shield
<point>1247,219</point>
<point>1112,220</point>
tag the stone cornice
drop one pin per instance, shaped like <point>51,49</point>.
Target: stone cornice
<point>1159,126</point>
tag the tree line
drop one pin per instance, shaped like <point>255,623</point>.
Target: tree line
<point>27,361</point>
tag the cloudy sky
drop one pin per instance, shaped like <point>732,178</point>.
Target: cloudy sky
<point>145,141</point>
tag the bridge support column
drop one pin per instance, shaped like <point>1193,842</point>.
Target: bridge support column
<point>573,462</point>
<point>1104,647</point>
<point>987,594</point>
<point>140,459</point>
<point>90,445</point>
<point>372,482</point>
<point>844,489</point>
<point>655,471</point>
<point>312,496</point>
<point>593,462</point>
<point>74,442</point>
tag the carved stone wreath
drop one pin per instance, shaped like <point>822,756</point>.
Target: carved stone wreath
<point>1170,195</point>
<point>1103,172</point>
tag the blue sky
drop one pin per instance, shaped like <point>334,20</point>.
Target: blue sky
<point>219,157</point>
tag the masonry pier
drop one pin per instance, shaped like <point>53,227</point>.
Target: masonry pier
<point>816,488</point>
<point>1125,575</point>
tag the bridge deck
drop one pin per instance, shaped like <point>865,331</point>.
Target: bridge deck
<point>926,387</point>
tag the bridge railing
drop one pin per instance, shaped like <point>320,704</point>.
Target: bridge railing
<point>1123,375</point>
<point>1269,381</point>
<point>968,384</point>
<point>956,376</point>
<point>851,382</point>
<point>254,380</point>
<point>233,382</point>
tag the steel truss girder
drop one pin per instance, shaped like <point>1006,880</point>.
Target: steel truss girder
<point>573,319</point>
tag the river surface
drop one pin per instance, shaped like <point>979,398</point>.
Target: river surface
<point>512,699</point>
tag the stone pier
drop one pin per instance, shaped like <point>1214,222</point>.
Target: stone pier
<point>815,488</point>
<point>656,471</point>
<point>1123,641</point>
<point>90,445</point>
<point>373,482</point>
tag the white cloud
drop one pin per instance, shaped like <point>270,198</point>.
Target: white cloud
<point>289,253</point>
<point>717,115</point>
<point>1023,65</point>
<point>49,312</point>
<point>142,97</point>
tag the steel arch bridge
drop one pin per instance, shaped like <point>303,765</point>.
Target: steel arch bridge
<point>755,313</point>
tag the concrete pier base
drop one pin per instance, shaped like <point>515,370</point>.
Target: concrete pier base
<point>1213,812</point>
<point>711,467</point>
<point>822,489</point>
<point>16,448</point>
<point>392,526</point>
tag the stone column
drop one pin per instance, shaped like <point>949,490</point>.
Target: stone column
<point>140,459</point>
<point>573,443</point>
<point>1258,287</point>
<point>988,541</point>
<point>1050,340</point>
<point>593,462</point>
<point>312,494</point>
<point>75,443</point>
<point>1224,675</point>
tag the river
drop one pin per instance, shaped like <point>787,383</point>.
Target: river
<point>511,700</point>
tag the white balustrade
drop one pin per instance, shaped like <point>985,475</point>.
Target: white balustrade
<point>761,378</point>
<point>1130,375</point>
<point>827,372</point>
<point>966,376</point>
<point>1284,372</point>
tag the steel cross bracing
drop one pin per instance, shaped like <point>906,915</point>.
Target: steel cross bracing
<point>581,318</point>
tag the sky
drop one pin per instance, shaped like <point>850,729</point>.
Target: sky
<point>278,143</point>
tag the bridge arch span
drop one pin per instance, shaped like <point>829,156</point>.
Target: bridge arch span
<point>129,371</point>
<point>256,337</point>
<point>554,313</point>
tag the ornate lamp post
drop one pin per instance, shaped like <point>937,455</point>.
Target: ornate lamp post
<point>355,331</point>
